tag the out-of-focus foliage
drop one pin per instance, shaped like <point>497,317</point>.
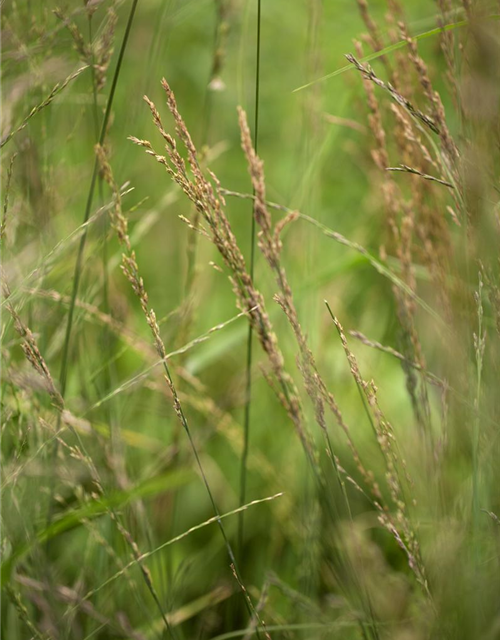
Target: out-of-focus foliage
<point>388,526</point>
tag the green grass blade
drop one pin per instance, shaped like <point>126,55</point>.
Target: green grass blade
<point>94,509</point>
<point>391,48</point>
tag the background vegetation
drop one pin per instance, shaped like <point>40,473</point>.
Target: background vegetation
<point>370,470</point>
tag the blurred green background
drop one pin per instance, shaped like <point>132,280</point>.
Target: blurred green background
<point>315,144</point>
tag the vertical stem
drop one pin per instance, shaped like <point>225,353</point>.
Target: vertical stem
<point>192,244</point>
<point>79,259</point>
<point>248,391</point>
<point>63,376</point>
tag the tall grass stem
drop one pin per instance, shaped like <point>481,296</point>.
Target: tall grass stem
<point>248,390</point>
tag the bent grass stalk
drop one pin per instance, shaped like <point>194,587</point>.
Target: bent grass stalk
<point>271,246</point>
<point>181,536</point>
<point>81,248</point>
<point>90,197</point>
<point>37,361</point>
<point>60,86</point>
<point>131,270</point>
<point>394,47</point>
<point>376,263</point>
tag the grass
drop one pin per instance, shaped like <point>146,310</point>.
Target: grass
<point>330,407</point>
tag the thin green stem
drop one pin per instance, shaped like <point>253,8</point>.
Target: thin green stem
<point>192,244</point>
<point>248,390</point>
<point>107,339</point>
<point>180,412</point>
<point>79,259</point>
<point>63,376</point>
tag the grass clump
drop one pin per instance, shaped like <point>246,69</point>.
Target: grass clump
<point>321,464</point>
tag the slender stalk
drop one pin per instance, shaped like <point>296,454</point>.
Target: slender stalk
<point>63,376</point>
<point>107,338</point>
<point>131,271</point>
<point>248,390</point>
<point>105,286</point>
<point>193,237</point>
<point>79,259</point>
<point>182,418</point>
<point>192,244</point>
<point>479,347</point>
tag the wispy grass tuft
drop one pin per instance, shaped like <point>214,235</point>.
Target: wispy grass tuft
<point>388,527</point>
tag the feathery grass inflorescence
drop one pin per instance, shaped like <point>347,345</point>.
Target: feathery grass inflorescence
<point>209,201</point>
<point>400,526</point>
<point>56,90</point>
<point>400,226</point>
<point>270,245</point>
<point>389,525</point>
<point>88,207</point>
<point>131,270</point>
<point>369,74</point>
<point>78,451</point>
<point>3,224</point>
<point>437,109</point>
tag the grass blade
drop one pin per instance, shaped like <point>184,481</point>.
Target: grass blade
<point>401,44</point>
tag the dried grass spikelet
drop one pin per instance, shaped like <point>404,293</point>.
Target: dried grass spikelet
<point>434,98</point>
<point>400,224</point>
<point>271,246</point>
<point>31,351</point>
<point>429,225</point>
<point>369,74</point>
<point>3,224</point>
<point>399,526</point>
<point>409,141</point>
<point>96,54</point>
<point>103,49</point>
<point>206,195</point>
<point>390,191</point>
